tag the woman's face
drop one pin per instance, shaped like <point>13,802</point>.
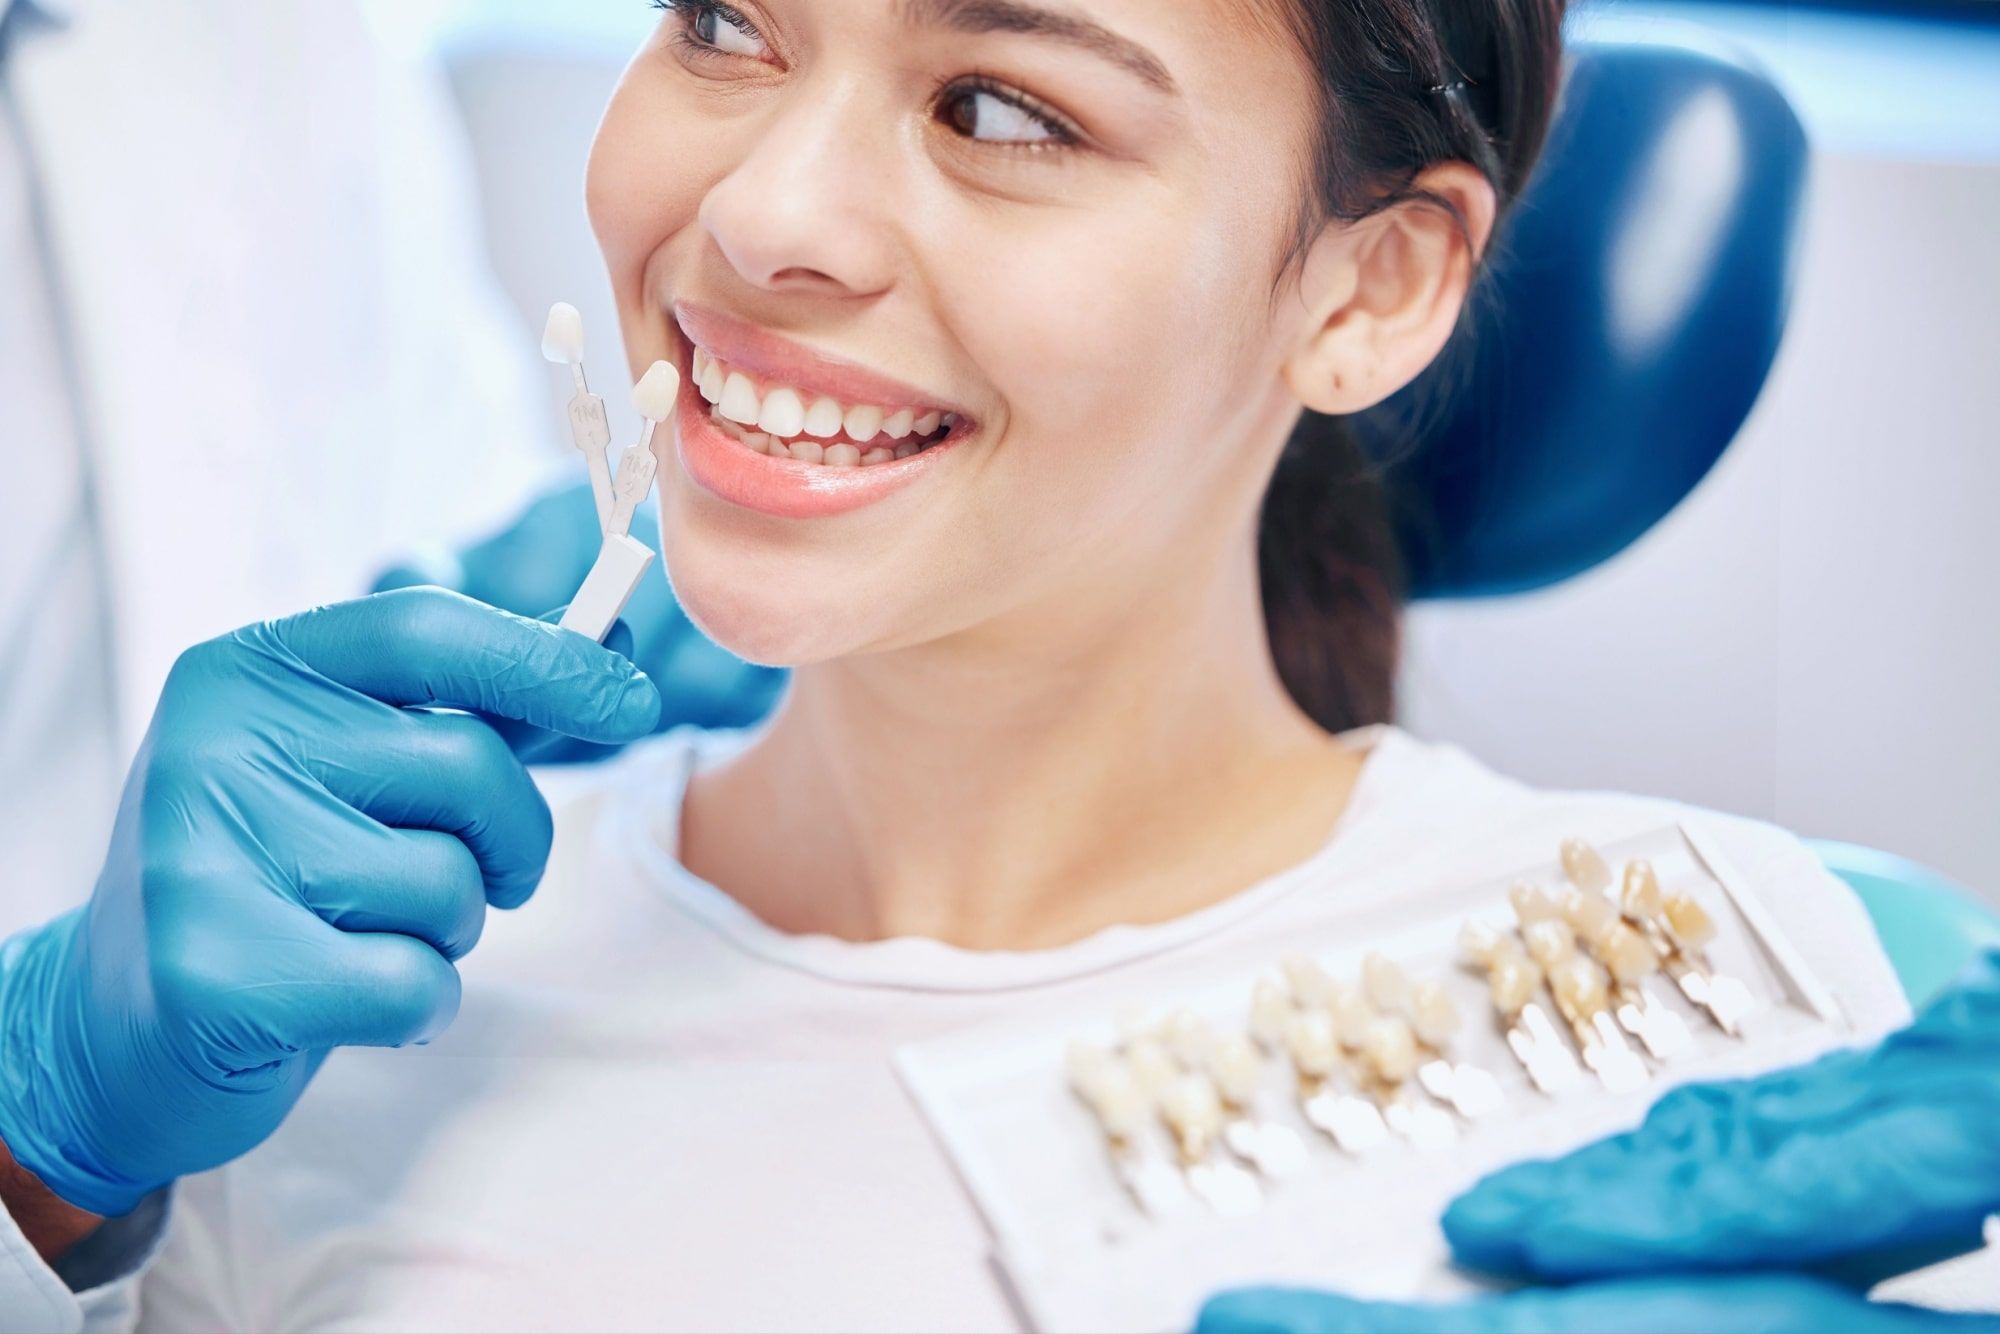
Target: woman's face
<point>1062,225</point>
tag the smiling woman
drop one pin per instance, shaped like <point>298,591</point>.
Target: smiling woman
<point>1022,333</point>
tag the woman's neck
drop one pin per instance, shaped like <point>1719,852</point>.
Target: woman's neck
<point>1019,787</point>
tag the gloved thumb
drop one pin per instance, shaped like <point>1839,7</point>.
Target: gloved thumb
<point>1887,1149</point>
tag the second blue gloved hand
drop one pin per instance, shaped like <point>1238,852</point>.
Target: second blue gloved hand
<point>537,562</point>
<point>305,846</point>
<point>1765,1204</point>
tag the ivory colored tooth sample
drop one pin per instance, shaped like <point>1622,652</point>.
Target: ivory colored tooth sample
<point>1192,1108</point>
<point>1122,1106</point>
<point>1512,982</point>
<point>1433,1016</point>
<point>1591,915</point>
<point>1549,941</point>
<point>1085,1064</point>
<point>1687,921</point>
<point>1390,1048</point>
<point>1628,955</point>
<point>1237,1069</point>
<point>1579,986</point>
<point>1532,903</point>
<point>1479,941</point>
<point>1584,866</point>
<point>1639,894</point>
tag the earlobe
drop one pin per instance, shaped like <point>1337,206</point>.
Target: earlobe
<point>1388,291</point>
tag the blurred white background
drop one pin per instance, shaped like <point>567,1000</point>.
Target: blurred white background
<point>1812,638</point>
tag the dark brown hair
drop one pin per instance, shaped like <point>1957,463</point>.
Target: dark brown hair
<point>1401,85</point>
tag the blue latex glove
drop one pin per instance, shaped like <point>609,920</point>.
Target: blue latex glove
<point>538,561</point>
<point>303,849</point>
<point>1765,1204</point>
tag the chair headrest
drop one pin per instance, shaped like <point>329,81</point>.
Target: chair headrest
<point>1625,326</point>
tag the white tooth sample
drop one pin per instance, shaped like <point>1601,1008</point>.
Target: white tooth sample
<point>653,397</point>
<point>842,456</point>
<point>877,455</point>
<point>897,424</point>
<point>1238,1070</point>
<point>1309,983</point>
<point>1189,1037</point>
<point>711,379</point>
<point>1270,1011</point>
<point>1387,984</point>
<point>1121,1104</point>
<point>904,450</point>
<point>1309,1037</point>
<point>861,423</point>
<point>782,413</point>
<point>562,336</point>
<point>927,423</point>
<point>1351,1011</point>
<point>1433,1015</point>
<point>1085,1064</point>
<point>1191,1107</point>
<point>1151,1065</point>
<point>823,418</point>
<point>739,399</point>
<point>809,451</point>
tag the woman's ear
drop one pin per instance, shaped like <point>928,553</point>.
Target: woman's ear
<point>1381,296</point>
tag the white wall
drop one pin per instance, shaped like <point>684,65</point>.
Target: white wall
<point>1812,637</point>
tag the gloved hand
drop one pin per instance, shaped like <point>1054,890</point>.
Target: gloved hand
<point>303,849</point>
<point>538,561</point>
<point>1766,1204</point>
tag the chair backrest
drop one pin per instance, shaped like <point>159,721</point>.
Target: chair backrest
<point>1627,323</point>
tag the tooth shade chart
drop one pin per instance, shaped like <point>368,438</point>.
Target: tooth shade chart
<point>779,421</point>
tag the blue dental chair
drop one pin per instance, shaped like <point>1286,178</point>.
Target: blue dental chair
<point>1634,306</point>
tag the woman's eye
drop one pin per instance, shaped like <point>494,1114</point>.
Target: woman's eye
<point>709,27</point>
<point>994,116</point>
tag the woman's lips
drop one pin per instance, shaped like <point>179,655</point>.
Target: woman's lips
<point>771,357</point>
<point>787,488</point>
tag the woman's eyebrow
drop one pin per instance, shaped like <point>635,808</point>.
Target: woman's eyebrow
<point>976,16</point>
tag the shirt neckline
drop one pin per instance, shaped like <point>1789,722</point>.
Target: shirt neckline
<point>914,963</point>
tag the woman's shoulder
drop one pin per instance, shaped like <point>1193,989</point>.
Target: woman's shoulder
<point>1466,820</point>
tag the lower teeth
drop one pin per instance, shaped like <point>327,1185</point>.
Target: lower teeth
<point>840,454</point>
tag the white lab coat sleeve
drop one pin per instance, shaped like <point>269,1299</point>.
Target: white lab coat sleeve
<point>95,1288</point>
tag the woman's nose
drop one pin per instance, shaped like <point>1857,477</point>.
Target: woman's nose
<point>804,209</point>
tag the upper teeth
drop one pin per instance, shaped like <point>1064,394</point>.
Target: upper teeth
<point>784,412</point>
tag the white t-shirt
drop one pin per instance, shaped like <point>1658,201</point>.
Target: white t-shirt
<point>655,1111</point>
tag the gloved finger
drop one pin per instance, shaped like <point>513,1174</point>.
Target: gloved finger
<point>431,647</point>
<point>314,985</point>
<point>416,882</point>
<point>1886,1149</point>
<point>537,745</point>
<point>1765,1303</point>
<point>452,773</point>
